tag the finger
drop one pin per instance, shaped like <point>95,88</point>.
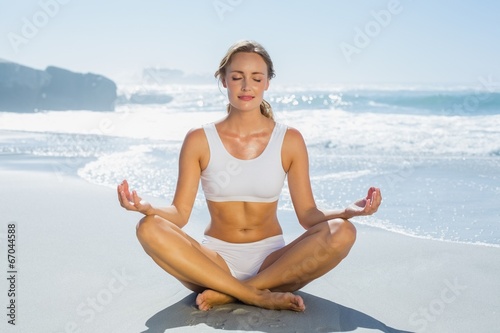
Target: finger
<point>125,201</point>
<point>377,197</point>
<point>368,205</point>
<point>376,202</point>
<point>124,186</point>
<point>121,197</point>
<point>124,198</point>
<point>119,193</point>
<point>136,198</point>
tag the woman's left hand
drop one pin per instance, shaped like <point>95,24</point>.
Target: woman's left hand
<point>365,206</point>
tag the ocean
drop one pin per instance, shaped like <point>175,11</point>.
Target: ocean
<point>433,151</point>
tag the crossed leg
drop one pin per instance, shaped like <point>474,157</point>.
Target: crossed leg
<point>185,259</point>
<point>310,256</point>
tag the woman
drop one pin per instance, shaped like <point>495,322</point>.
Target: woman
<point>242,161</point>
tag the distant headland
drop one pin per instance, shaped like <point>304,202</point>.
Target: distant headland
<point>25,89</point>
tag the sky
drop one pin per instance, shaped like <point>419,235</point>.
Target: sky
<point>313,41</point>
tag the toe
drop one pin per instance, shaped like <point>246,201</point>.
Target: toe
<point>199,299</point>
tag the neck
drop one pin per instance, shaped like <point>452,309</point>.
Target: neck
<point>247,122</point>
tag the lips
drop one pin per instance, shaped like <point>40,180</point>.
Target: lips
<point>246,98</point>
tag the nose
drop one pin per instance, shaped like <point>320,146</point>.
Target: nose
<point>244,85</point>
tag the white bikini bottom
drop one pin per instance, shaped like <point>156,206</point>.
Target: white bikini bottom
<point>244,259</point>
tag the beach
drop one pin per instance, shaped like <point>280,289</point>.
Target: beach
<point>80,268</point>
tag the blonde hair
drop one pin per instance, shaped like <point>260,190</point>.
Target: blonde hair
<point>248,46</point>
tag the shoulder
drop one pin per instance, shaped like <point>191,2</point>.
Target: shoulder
<point>195,140</point>
<point>194,149</point>
<point>195,135</point>
<point>293,137</point>
<point>293,149</point>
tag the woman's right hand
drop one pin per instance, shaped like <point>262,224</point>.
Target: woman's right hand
<point>131,201</point>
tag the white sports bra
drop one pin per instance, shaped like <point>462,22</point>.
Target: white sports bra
<point>227,178</point>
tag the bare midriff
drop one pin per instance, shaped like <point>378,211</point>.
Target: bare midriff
<point>243,222</point>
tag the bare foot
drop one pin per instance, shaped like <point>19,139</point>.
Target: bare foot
<point>209,298</point>
<point>280,301</point>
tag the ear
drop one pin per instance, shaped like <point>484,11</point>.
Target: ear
<point>224,83</point>
<point>267,85</point>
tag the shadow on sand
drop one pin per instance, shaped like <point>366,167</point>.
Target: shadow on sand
<point>321,315</point>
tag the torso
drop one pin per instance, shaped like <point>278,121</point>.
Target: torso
<point>236,221</point>
<point>242,222</point>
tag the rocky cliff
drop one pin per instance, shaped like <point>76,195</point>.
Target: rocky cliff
<point>24,89</point>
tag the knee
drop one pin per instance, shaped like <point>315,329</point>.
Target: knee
<point>342,235</point>
<point>147,228</point>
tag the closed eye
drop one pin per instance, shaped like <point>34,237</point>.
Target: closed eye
<point>239,78</point>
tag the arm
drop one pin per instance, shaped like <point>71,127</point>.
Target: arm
<point>296,161</point>
<point>187,184</point>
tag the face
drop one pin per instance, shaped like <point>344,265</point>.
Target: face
<point>246,81</point>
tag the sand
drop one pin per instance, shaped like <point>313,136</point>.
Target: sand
<point>81,269</point>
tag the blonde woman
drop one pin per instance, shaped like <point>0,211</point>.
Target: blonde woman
<point>242,161</point>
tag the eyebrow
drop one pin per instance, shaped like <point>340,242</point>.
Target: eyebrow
<point>241,72</point>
